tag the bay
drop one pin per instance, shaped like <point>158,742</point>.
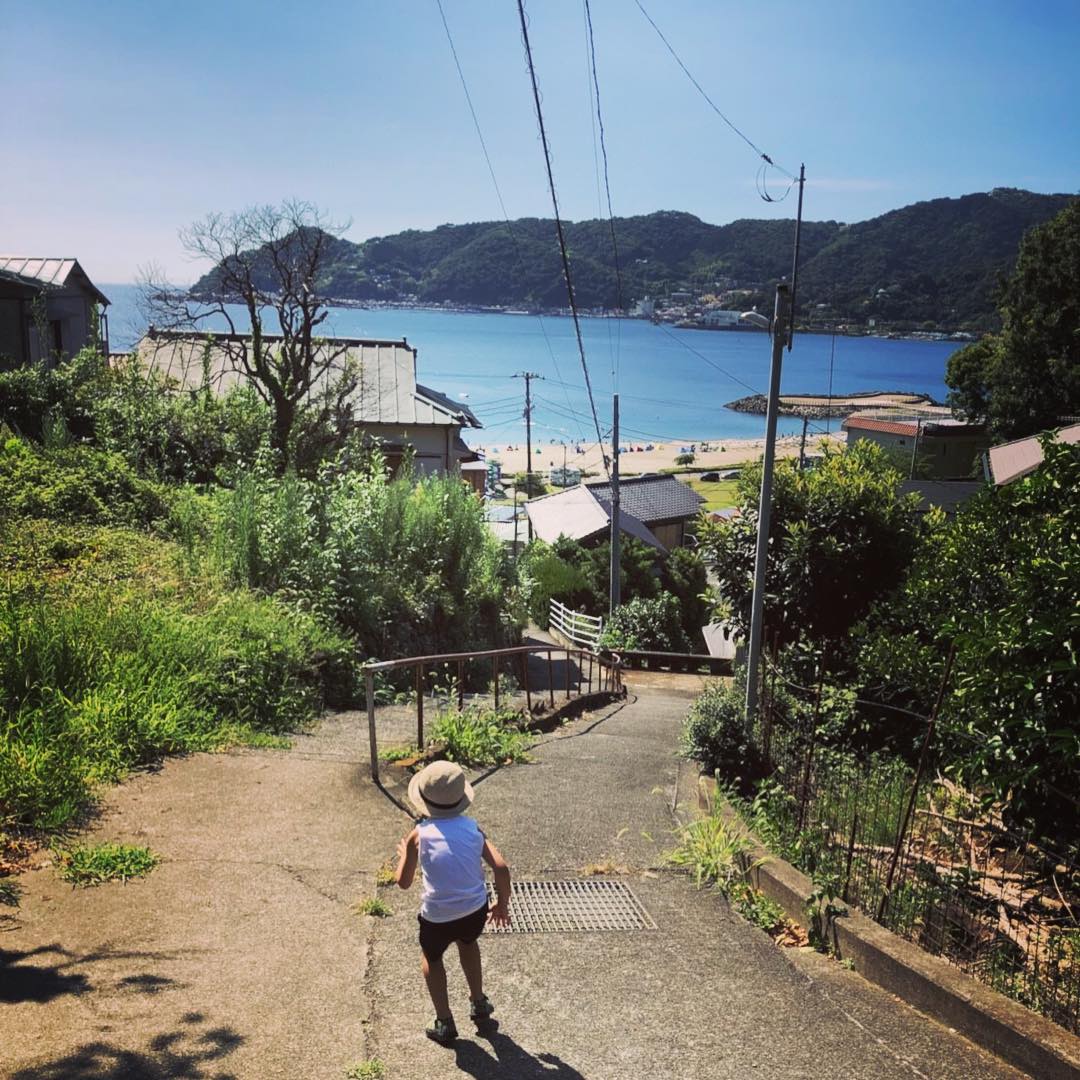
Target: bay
<point>673,384</point>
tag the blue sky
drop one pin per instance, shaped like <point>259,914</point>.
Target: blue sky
<point>125,121</point>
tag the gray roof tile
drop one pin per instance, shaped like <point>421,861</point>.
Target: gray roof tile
<point>651,498</point>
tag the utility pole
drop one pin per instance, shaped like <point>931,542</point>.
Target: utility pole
<point>802,444</point>
<point>781,315</point>
<point>528,376</point>
<point>616,532</point>
<point>915,448</point>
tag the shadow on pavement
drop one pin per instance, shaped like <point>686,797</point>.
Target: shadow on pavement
<point>191,1053</point>
<point>509,1061</point>
<point>25,977</point>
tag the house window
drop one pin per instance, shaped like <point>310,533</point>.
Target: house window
<point>56,328</point>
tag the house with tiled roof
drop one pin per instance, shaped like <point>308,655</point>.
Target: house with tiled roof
<point>654,509</point>
<point>49,308</point>
<point>937,445</point>
<point>388,404</point>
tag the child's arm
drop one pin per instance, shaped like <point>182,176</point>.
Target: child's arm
<point>500,913</point>
<point>408,851</point>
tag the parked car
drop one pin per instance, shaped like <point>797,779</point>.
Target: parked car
<point>730,474</point>
<point>710,477</point>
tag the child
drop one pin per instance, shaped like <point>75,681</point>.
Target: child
<point>453,901</point>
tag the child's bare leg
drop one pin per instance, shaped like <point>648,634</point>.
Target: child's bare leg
<point>470,964</point>
<point>435,977</point>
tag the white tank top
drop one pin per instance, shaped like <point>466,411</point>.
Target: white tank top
<point>450,859</point>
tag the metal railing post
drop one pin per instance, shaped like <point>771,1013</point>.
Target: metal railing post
<point>551,680</point>
<point>495,677</point>
<point>369,694</point>
<point>567,674</point>
<point>420,706</point>
<point>461,684</point>
<point>525,682</point>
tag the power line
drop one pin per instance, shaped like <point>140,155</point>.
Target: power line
<point>716,108</point>
<point>491,171</point>
<point>607,181</point>
<point>558,222</point>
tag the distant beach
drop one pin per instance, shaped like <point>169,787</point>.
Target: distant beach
<point>642,457</point>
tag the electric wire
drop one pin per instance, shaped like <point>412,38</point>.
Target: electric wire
<point>558,223</point>
<point>768,161</point>
<point>491,172</point>
<point>607,185</point>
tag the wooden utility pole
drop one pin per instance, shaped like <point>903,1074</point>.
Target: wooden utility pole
<point>528,376</point>
<point>616,533</point>
<point>802,444</point>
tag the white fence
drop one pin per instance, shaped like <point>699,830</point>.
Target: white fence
<point>575,626</point>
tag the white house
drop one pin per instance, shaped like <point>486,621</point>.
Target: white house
<point>388,404</point>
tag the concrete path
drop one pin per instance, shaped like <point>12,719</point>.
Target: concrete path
<point>240,956</point>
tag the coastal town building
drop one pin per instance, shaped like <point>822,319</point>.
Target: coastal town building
<point>388,405</point>
<point>936,445</point>
<point>49,308</point>
<point>653,509</point>
<point>1012,460</point>
<point>722,318</point>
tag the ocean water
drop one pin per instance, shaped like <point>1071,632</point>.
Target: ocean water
<point>672,384</point>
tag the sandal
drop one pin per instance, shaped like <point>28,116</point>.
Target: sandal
<point>444,1032</point>
<point>480,1009</point>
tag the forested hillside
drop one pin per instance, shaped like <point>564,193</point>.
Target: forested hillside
<point>933,262</point>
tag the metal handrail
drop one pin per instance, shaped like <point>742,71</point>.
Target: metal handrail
<point>609,667</point>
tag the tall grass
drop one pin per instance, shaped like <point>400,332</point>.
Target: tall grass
<point>104,667</point>
<point>406,566</point>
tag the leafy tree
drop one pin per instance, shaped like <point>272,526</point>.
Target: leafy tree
<point>652,623</point>
<point>580,576</point>
<point>1000,582</point>
<point>683,574</point>
<point>1024,379</point>
<point>273,261</point>
<point>839,537</point>
<point>197,437</point>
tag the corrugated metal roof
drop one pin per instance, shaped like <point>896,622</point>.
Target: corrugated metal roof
<point>387,392</point>
<point>54,273</point>
<point>1011,460</point>
<point>578,514</point>
<point>652,498</point>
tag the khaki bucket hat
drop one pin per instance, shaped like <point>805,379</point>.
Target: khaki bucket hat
<point>440,790</point>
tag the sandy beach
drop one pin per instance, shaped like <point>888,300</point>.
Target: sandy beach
<point>642,457</point>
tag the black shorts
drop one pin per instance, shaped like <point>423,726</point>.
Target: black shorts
<point>436,937</point>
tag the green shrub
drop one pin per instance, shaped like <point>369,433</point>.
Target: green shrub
<point>684,459</point>
<point>530,484</point>
<point>715,732</point>
<point>650,623</point>
<point>477,736</point>
<point>76,483</point>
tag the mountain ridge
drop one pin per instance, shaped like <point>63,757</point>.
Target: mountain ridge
<point>934,263</point>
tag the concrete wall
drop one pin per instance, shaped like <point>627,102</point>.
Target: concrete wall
<point>950,457</point>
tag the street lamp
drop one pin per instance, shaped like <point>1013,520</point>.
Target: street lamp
<point>778,329</point>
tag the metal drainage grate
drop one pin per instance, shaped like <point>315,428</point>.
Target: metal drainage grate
<point>543,907</point>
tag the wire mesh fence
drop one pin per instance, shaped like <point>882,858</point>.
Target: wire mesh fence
<point>892,835</point>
